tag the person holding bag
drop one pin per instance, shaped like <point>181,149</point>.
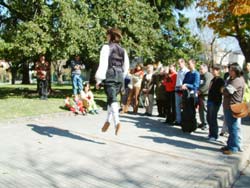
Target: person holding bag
<point>233,93</point>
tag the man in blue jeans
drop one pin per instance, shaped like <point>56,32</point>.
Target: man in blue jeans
<point>178,96</point>
<point>76,67</point>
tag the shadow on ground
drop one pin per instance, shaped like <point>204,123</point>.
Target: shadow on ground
<point>52,131</point>
<point>157,126</point>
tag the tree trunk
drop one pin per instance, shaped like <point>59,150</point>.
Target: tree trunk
<point>59,78</point>
<point>25,71</point>
<point>13,75</point>
<point>245,48</point>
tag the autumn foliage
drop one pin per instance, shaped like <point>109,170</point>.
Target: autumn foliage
<point>240,7</point>
<point>228,18</point>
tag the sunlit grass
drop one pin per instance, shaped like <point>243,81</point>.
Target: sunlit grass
<point>22,100</point>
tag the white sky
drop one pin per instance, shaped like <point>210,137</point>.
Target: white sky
<point>228,43</point>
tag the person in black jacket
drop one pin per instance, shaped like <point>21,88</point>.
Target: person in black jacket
<point>214,102</point>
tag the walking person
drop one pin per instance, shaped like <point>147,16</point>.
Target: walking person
<point>205,79</point>
<point>42,69</point>
<point>178,93</point>
<point>233,93</point>
<point>113,66</point>
<point>214,102</point>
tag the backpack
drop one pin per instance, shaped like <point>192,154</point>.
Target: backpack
<point>115,63</point>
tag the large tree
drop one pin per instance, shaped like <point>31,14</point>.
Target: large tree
<point>62,28</point>
<point>225,19</point>
<point>177,41</point>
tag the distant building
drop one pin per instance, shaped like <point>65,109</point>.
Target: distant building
<point>5,75</point>
<point>231,57</point>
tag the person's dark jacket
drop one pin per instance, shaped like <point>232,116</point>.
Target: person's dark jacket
<point>214,93</point>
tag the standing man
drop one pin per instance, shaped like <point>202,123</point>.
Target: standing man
<point>178,93</point>
<point>205,79</point>
<point>76,67</point>
<point>113,67</point>
<point>190,87</point>
<point>42,68</point>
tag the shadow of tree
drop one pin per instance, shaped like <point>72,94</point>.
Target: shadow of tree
<point>157,126</point>
<point>51,131</point>
<point>178,143</point>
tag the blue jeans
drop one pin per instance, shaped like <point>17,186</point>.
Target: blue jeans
<point>212,112</point>
<point>76,83</point>
<point>233,124</point>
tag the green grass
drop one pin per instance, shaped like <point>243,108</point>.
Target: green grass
<point>23,101</point>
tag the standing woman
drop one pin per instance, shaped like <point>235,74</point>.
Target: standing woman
<point>233,93</point>
<point>42,69</point>
<point>113,66</point>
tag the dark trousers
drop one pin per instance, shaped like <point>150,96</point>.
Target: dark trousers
<point>170,106</point>
<point>202,100</point>
<point>212,112</point>
<point>43,88</point>
<point>112,89</point>
<point>161,107</point>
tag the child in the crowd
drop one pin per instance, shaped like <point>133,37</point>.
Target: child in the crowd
<point>75,105</point>
<point>88,99</point>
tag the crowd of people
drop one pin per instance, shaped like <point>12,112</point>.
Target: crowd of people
<point>179,90</point>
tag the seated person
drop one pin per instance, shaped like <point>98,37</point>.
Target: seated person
<point>88,99</point>
<point>75,105</point>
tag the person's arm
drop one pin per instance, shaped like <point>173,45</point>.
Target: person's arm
<point>203,88</point>
<point>126,63</point>
<point>196,83</point>
<point>103,65</point>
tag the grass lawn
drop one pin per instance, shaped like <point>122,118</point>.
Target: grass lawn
<point>22,100</point>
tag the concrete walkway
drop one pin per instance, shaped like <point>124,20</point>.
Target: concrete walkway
<point>68,151</point>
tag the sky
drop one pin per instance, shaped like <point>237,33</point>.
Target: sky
<point>228,43</point>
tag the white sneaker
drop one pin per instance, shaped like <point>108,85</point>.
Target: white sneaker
<point>212,139</point>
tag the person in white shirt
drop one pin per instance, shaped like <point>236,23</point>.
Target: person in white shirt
<point>178,96</point>
<point>113,67</point>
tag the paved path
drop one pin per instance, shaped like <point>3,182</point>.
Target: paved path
<point>68,151</point>
<point>243,180</point>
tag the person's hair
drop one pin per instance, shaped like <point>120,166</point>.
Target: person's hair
<point>182,60</point>
<point>236,68</point>
<point>115,35</point>
<point>216,67</point>
<point>85,84</point>
<point>139,65</point>
<point>204,66</point>
<point>192,61</point>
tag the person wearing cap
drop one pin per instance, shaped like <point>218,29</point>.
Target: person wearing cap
<point>112,69</point>
<point>214,102</point>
